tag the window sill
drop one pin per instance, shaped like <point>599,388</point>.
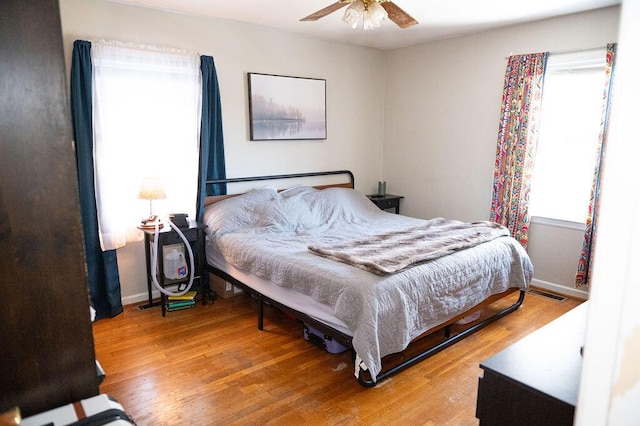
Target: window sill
<point>558,223</point>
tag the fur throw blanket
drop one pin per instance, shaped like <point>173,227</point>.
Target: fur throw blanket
<point>394,251</point>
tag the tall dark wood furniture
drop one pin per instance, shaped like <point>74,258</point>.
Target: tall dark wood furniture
<point>46,343</point>
<point>536,380</point>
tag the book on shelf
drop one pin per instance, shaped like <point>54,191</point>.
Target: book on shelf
<point>180,302</point>
<point>177,308</point>
<point>190,295</point>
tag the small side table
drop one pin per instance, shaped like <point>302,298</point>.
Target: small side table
<point>166,236</point>
<point>388,201</point>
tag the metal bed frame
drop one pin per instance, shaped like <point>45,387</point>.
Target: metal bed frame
<point>364,378</point>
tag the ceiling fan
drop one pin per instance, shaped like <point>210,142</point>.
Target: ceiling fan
<point>358,8</point>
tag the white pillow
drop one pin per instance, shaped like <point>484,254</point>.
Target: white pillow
<point>287,213</point>
<point>236,213</point>
<point>297,190</point>
<point>342,205</point>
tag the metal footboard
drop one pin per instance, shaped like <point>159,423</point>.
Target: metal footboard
<point>364,378</point>
<point>450,340</point>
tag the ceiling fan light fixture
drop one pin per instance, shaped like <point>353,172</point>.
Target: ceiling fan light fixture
<point>370,12</point>
<point>373,16</point>
<point>354,12</point>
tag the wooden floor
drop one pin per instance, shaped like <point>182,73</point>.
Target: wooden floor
<point>211,366</point>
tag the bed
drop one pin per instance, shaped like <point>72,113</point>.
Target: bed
<point>294,249</point>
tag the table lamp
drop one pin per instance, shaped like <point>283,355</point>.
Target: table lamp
<point>151,189</point>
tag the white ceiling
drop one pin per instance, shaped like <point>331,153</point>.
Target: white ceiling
<point>437,19</point>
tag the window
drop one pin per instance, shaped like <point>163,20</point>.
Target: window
<point>146,119</point>
<point>571,113</point>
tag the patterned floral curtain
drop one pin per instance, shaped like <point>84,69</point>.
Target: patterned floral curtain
<point>517,141</point>
<point>588,243</point>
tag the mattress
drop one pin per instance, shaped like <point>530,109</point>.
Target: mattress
<point>284,295</point>
<point>267,234</point>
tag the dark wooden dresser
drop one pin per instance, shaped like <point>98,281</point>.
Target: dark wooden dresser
<point>46,341</point>
<point>536,380</point>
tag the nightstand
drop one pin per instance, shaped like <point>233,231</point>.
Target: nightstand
<point>167,236</point>
<point>385,202</point>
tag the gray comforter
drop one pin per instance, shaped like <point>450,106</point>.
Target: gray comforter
<point>268,234</point>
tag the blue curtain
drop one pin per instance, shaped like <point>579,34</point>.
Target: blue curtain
<point>211,139</point>
<point>102,267</point>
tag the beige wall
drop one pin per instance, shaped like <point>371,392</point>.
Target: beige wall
<point>355,93</point>
<point>423,118</point>
<point>442,104</point>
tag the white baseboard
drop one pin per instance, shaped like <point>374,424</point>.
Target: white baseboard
<point>140,297</point>
<point>577,293</point>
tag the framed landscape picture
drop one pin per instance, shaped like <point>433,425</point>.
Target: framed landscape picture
<point>287,108</point>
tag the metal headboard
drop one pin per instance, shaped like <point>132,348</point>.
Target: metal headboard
<point>288,176</point>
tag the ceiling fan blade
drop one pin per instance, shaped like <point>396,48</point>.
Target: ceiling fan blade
<point>327,10</point>
<point>397,15</point>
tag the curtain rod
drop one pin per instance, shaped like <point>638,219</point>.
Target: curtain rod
<point>584,49</point>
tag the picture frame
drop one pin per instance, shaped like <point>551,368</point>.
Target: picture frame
<point>287,108</point>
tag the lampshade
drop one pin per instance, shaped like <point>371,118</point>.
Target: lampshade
<point>373,16</point>
<point>354,12</point>
<point>370,12</point>
<point>151,189</point>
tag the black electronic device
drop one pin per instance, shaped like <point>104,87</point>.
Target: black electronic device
<point>181,220</point>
